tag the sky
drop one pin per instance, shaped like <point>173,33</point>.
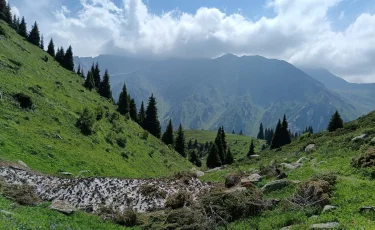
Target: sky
<point>338,35</point>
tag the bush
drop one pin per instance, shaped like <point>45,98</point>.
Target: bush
<point>179,200</point>
<point>145,135</point>
<point>24,100</point>
<point>22,194</point>
<point>121,142</point>
<point>86,122</point>
<point>128,218</point>
<point>152,191</point>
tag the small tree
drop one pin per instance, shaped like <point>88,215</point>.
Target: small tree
<point>68,60</point>
<point>51,48</point>
<point>133,110</point>
<point>151,122</point>
<point>194,158</point>
<point>142,115</point>
<point>261,132</point>
<point>60,54</point>
<point>89,82</point>
<point>42,43</point>
<point>96,73</point>
<point>180,142</point>
<point>34,36</point>
<point>251,149</point>
<point>336,122</point>
<point>23,28</point>
<point>168,138</point>
<point>276,140</point>
<point>79,69</point>
<point>230,158</point>
<point>86,122</point>
<point>123,101</point>
<point>105,87</point>
<point>213,159</point>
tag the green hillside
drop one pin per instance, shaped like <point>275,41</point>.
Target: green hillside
<point>46,138</point>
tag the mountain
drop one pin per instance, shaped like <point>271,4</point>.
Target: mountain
<point>237,92</point>
<point>45,136</point>
<point>361,95</point>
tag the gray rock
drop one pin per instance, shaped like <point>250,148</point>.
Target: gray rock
<point>66,173</point>
<point>325,225</point>
<point>301,160</point>
<point>275,185</point>
<point>367,208</point>
<point>62,206</point>
<point>292,166</point>
<point>286,228</point>
<point>363,136</point>
<point>310,148</point>
<point>23,164</point>
<point>197,172</point>
<point>84,171</point>
<point>246,182</point>
<point>373,140</point>
<point>214,169</point>
<point>235,189</point>
<point>255,178</point>
<point>328,208</point>
<point>254,156</point>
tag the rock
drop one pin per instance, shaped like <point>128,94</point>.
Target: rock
<point>66,173</point>
<point>367,208</point>
<point>235,189</point>
<point>310,148</point>
<point>84,171</point>
<point>275,185</point>
<point>231,180</point>
<point>246,182</point>
<point>62,206</point>
<point>197,172</point>
<point>23,164</point>
<point>328,208</point>
<point>286,228</point>
<point>314,217</point>
<point>254,156</point>
<point>373,140</point>
<point>301,160</point>
<point>214,169</point>
<point>282,176</point>
<point>6,213</point>
<point>325,225</point>
<point>255,178</point>
<point>363,136</point>
<point>291,166</point>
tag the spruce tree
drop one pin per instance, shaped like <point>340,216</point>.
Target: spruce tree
<point>261,132</point>
<point>105,88</point>
<point>190,144</point>
<point>3,5</point>
<point>220,146</point>
<point>336,122</point>
<point>42,42</point>
<point>60,54</point>
<point>23,28</point>
<point>82,73</point>
<point>230,159</point>
<point>15,23</point>
<point>233,132</point>
<point>194,158</point>
<point>168,138</point>
<point>180,142</point>
<point>213,159</point>
<point>79,69</point>
<point>195,145</point>
<point>68,60</point>
<point>223,139</point>
<point>89,83</point>
<point>152,123</point>
<point>51,48</point>
<point>285,135</point>
<point>251,149</point>
<point>34,36</point>
<point>276,140</point>
<point>8,14</point>
<point>241,133</point>
<point>133,110</point>
<point>97,75</point>
<point>142,115</point>
<point>123,101</point>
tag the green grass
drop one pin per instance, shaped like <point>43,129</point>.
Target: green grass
<point>33,136</point>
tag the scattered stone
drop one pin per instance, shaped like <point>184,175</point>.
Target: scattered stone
<point>314,217</point>
<point>310,148</point>
<point>367,208</point>
<point>282,176</point>
<point>66,173</point>
<point>214,169</point>
<point>254,156</point>
<point>197,172</point>
<point>329,208</point>
<point>325,225</point>
<point>22,164</point>
<point>6,213</point>
<point>232,180</point>
<point>255,178</point>
<point>363,136</point>
<point>291,166</point>
<point>286,228</point>
<point>301,160</point>
<point>275,185</point>
<point>62,206</point>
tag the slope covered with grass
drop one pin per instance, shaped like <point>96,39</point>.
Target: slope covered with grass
<point>45,136</point>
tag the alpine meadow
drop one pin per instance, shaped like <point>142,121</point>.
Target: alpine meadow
<point>199,115</point>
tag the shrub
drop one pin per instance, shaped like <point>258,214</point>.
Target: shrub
<point>24,100</point>
<point>127,218</point>
<point>145,135</point>
<point>121,142</point>
<point>179,200</point>
<point>86,122</point>
<point>22,194</point>
<point>152,191</point>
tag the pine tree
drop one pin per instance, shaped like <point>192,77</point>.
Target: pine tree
<point>34,36</point>
<point>168,138</point>
<point>276,140</point>
<point>97,75</point>
<point>190,144</point>
<point>151,122</point>
<point>335,123</point>
<point>142,115</point>
<point>23,28</point>
<point>51,48</point>
<point>123,101</point>
<point>180,142</point>
<point>105,88</point>
<point>68,60</point>
<point>230,159</point>
<point>60,54</point>
<point>79,69</point>
<point>15,23</point>
<point>41,45</point>
<point>220,145</point>
<point>251,149</point>
<point>261,132</point>
<point>213,159</point>
<point>285,135</point>
<point>194,158</point>
<point>5,12</point>
<point>89,83</point>
<point>233,132</point>
<point>223,139</point>
<point>82,73</point>
<point>195,145</point>
<point>241,133</point>
<point>133,110</point>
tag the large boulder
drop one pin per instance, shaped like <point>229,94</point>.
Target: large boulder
<point>62,206</point>
<point>255,177</point>
<point>23,164</point>
<point>310,148</point>
<point>275,185</point>
<point>232,180</point>
<point>325,225</point>
<point>363,136</point>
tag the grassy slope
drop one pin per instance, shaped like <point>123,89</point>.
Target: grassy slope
<point>334,154</point>
<point>58,95</point>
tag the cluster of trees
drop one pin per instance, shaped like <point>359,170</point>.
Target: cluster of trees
<point>5,12</point>
<point>281,136</point>
<point>220,154</point>
<point>95,82</point>
<point>308,129</point>
<point>265,134</point>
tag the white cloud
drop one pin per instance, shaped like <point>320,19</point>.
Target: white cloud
<point>299,33</point>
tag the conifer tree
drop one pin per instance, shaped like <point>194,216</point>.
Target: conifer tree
<point>194,158</point>
<point>8,14</point>
<point>60,54</point>
<point>89,83</point>
<point>97,75</point>
<point>23,28</point>
<point>151,122</point>
<point>190,144</point>
<point>233,132</point>
<point>51,48</point>
<point>223,139</point>
<point>213,159</point>
<point>41,45</point>
<point>336,122</point>
<point>251,149</point>
<point>79,69</point>
<point>15,23</point>
<point>82,73</point>
<point>261,132</point>
<point>34,36</point>
<point>180,142</point>
<point>5,12</point>
<point>105,88</point>
<point>168,138</point>
<point>220,146</point>
<point>68,60</point>
<point>195,145</point>
<point>133,110</point>
<point>142,115</point>
<point>276,140</point>
<point>230,159</point>
<point>123,101</point>
<point>241,133</point>
<point>285,135</point>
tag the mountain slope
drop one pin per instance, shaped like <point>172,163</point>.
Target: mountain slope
<point>45,137</point>
<point>237,92</point>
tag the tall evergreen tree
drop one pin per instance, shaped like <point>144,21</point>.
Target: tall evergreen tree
<point>105,88</point>
<point>68,60</point>
<point>5,12</point>
<point>285,135</point>
<point>51,48</point>
<point>223,139</point>
<point>261,132</point>
<point>60,54</point>
<point>23,28</point>
<point>233,132</point>
<point>89,83</point>
<point>15,23</point>
<point>194,158</point>
<point>220,145</point>
<point>151,122</point>
<point>3,6</point>
<point>241,133</point>
<point>34,36</point>
<point>180,142</point>
<point>123,101</point>
<point>251,149</point>
<point>133,110</point>
<point>79,69</point>
<point>230,159</point>
<point>142,115</point>
<point>82,73</point>
<point>277,137</point>
<point>336,122</point>
<point>41,45</point>
<point>195,145</point>
<point>190,144</point>
<point>213,159</point>
<point>97,75</point>
<point>168,138</point>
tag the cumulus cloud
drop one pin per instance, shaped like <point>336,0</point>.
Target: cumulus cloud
<point>299,33</point>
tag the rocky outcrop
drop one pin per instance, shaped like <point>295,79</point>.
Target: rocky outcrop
<point>90,194</point>
<point>310,148</point>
